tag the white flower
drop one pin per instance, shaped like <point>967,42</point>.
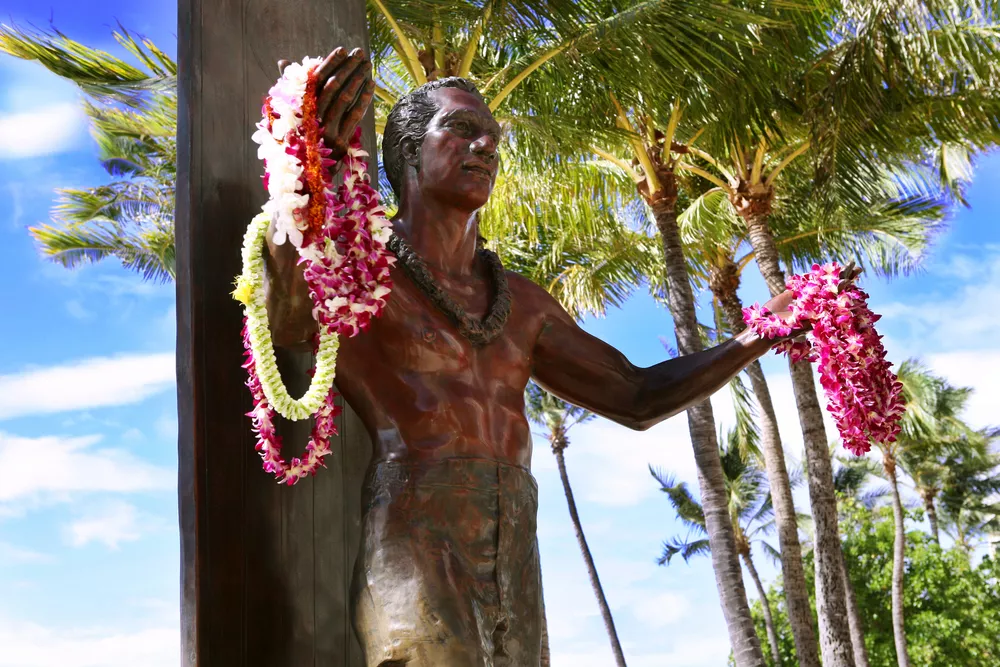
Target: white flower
<point>310,253</point>
<point>336,303</point>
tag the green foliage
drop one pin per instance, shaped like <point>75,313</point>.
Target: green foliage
<point>952,607</point>
<point>779,613</point>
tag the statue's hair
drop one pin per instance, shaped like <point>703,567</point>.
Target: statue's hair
<point>409,119</point>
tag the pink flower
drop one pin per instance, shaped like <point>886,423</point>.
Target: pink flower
<point>863,394</point>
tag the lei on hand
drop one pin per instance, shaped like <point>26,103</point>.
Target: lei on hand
<point>348,287</point>
<point>863,395</point>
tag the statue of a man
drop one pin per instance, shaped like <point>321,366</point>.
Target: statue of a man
<point>448,572</point>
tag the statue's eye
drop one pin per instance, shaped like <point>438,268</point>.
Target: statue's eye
<point>461,126</point>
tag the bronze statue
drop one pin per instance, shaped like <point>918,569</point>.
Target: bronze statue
<point>448,572</point>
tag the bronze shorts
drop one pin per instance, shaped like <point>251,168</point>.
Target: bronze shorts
<point>448,574</point>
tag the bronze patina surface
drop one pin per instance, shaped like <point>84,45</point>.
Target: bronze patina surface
<point>448,569</point>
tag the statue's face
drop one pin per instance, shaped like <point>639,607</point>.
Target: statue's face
<point>458,156</point>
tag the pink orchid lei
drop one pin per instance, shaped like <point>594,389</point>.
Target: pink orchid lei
<point>340,233</point>
<point>863,395</point>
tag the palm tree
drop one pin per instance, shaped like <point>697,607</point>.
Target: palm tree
<point>850,483</point>
<point>133,117</point>
<point>969,506</point>
<point>945,457</point>
<point>752,517</point>
<point>746,164</point>
<point>888,235</point>
<point>558,417</point>
<point>942,449</point>
<point>659,147</point>
<point>930,427</point>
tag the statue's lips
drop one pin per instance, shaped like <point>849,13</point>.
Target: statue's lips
<point>478,168</point>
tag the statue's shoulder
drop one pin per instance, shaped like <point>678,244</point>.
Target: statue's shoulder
<point>530,296</point>
<point>519,283</point>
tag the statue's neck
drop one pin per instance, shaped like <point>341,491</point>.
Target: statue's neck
<point>443,236</point>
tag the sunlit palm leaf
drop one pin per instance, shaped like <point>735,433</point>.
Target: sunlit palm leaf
<point>133,117</point>
<point>97,72</point>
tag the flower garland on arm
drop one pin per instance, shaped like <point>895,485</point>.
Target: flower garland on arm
<point>863,395</point>
<point>347,289</point>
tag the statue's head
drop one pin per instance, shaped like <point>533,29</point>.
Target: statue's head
<point>444,137</point>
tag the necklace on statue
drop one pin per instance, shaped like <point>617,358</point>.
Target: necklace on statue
<point>478,333</point>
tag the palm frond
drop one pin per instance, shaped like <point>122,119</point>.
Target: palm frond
<point>745,437</point>
<point>150,253</point>
<point>687,550</point>
<point>689,510</point>
<point>98,73</point>
<point>773,554</point>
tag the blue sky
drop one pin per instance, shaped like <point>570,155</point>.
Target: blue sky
<point>88,531</point>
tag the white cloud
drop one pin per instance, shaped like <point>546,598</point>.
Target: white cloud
<point>609,464</point>
<point>33,645</point>
<point>110,525</point>
<point>78,311</point>
<point>661,610</point>
<point>684,651</point>
<point>12,554</point>
<point>166,426</point>
<point>50,469</point>
<point>17,201</point>
<point>964,315</point>
<point>46,131</point>
<point>90,383</point>
<point>979,369</point>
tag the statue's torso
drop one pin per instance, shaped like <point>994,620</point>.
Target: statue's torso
<point>424,392</point>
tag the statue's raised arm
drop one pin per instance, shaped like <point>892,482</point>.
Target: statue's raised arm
<point>345,89</point>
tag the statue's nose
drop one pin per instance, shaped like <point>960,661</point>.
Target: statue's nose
<point>485,147</point>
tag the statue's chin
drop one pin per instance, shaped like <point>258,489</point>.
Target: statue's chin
<point>465,197</point>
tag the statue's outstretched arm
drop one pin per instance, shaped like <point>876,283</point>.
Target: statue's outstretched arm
<point>586,371</point>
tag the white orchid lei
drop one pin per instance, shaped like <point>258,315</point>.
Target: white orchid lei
<point>347,289</point>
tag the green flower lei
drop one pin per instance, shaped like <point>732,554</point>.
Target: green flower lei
<point>250,292</point>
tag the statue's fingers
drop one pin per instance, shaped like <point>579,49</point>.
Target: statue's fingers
<point>337,146</point>
<point>343,98</point>
<point>282,64</point>
<point>357,111</point>
<point>333,90</point>
<point>332,61</point>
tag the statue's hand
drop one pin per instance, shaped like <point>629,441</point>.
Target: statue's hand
<point>345,92</point>
<point>848,275</point>
<point>779,305</point>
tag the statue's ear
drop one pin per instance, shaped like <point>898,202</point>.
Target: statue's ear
<point>410,151</point>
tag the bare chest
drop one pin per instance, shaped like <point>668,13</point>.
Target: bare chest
<point>416,339</point>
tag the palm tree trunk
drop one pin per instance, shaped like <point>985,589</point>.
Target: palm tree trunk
<point>796,593</point>
<point>701,426</point>
<point>772,634</point>
<point>898,563</point>
<point>932,516</point>
<point>595,581</point>
<point>854,616</point>
<point>835,636</point>
<point>544,655</point>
